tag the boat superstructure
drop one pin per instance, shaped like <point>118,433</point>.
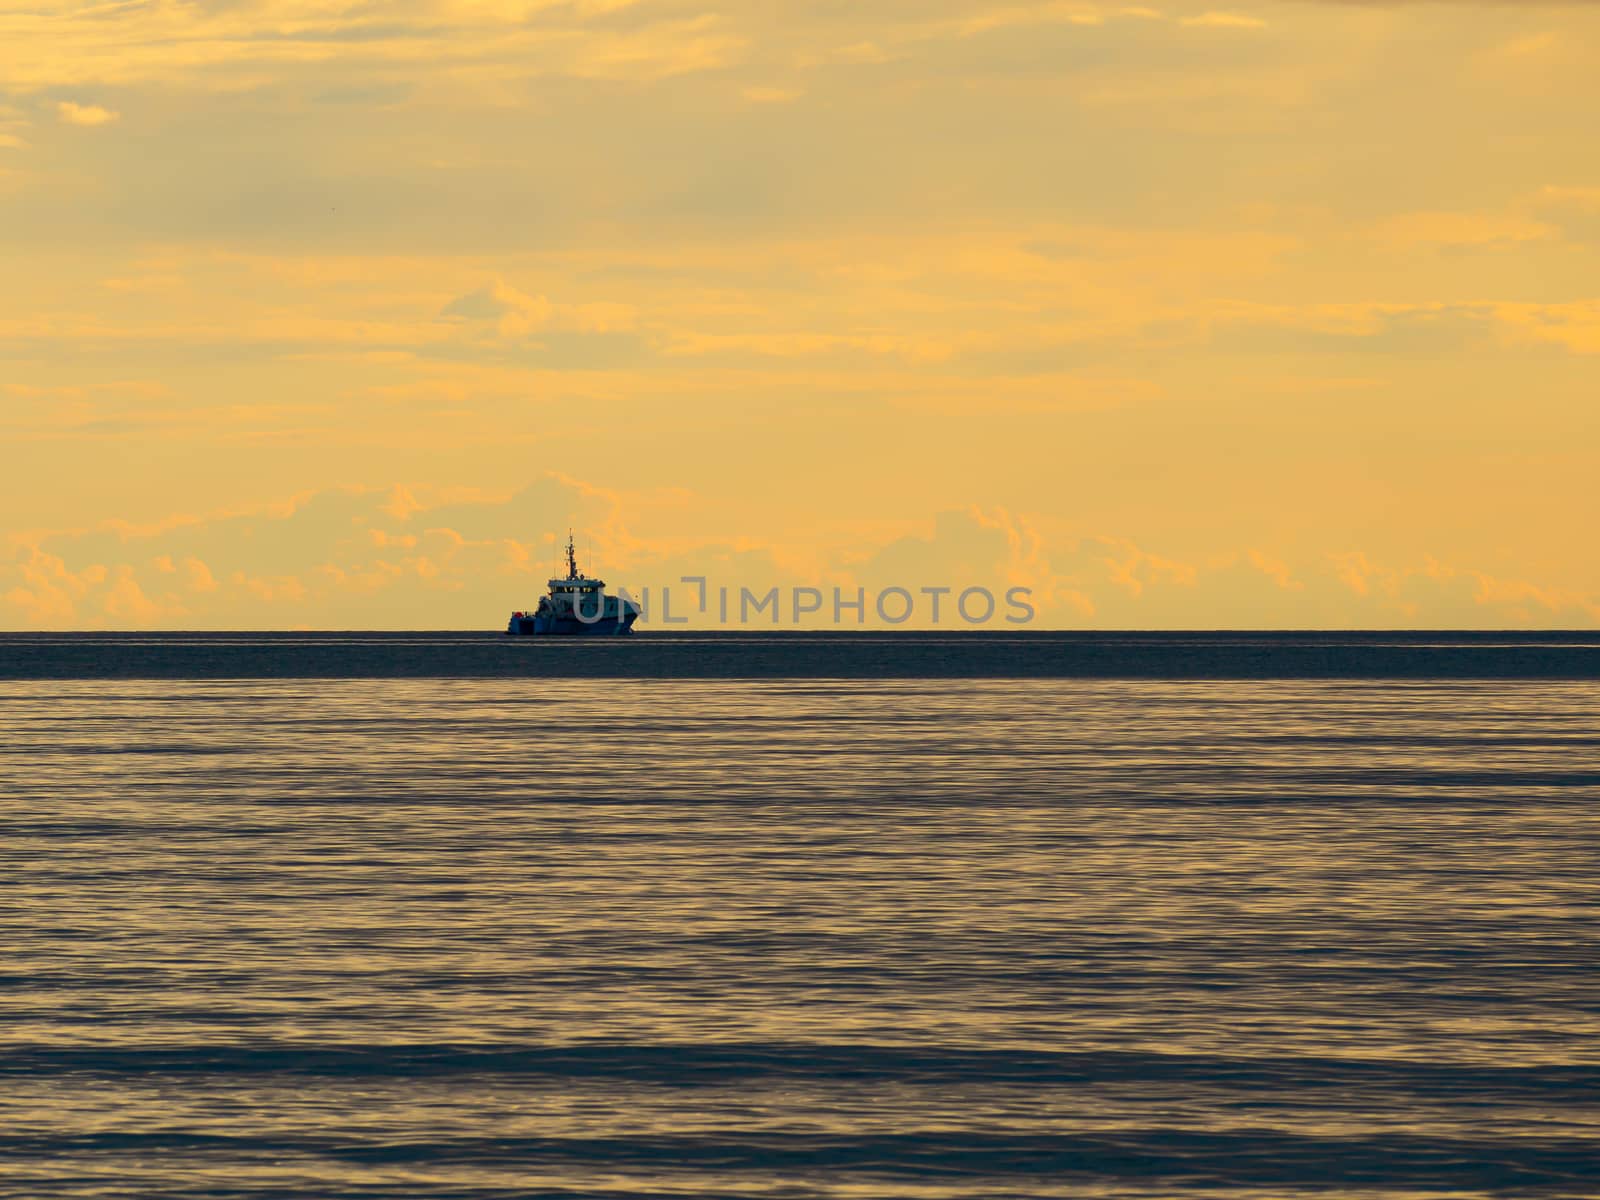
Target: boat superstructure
<point>576,605</point>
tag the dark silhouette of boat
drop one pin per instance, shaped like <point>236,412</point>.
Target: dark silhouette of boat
<point>576,606</point>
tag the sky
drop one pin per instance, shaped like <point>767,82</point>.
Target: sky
<point>339,315</point>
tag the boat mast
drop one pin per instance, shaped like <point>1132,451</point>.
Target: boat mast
<point>572,558</point>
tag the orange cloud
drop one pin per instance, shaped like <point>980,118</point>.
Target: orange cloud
<point>360,558</point>
<point>90,115</point>
<point>1224,20</point>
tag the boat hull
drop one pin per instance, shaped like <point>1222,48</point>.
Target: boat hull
<point>571,626</point>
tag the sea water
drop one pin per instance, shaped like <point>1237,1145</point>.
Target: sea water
<point>795,936</point>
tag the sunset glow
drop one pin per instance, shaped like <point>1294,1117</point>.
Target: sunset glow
<point>328,315</point>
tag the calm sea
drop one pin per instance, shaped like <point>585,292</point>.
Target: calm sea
<point>450,916</point>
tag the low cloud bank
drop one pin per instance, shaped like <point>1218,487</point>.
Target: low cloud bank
<point>352,558</point>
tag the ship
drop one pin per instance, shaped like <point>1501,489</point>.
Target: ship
<point>576,605</point>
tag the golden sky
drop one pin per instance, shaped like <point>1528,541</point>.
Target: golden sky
<point>333,314</point>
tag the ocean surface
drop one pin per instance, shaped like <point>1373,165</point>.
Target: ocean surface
<point>665,654</point>
<point>334,916</point>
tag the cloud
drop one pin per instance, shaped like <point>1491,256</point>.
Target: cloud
<point>408,558</point>
<point>1584,198</point>
<point>512,312</point>
<point>1103,581</point>
<point>1371,327</point>
<point>229,46</point>
<point>85,114</point>
<point>1462,229</point>
<point>1575,326</point>
<point>319,559</point>
<point>771,95</point>
<point>1224,20</point>
<point>141,283</point>
<point>1574,211</point>
<point>866,53</point>
<point>13,123</point>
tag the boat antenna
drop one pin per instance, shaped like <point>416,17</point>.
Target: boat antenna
<point>572,558</point>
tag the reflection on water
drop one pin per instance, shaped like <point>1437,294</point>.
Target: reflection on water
<point>483,938</point>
